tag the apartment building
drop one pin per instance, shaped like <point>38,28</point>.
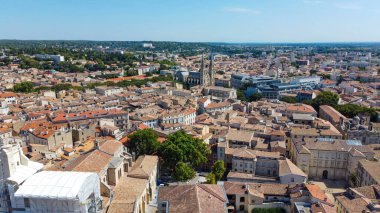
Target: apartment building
<point>361,199</point>
<point>50,142</point>
<point>108,91</point>
<point>134,192</point>
<point>328,159</point>
<point>368,173</point>
<point>330,114</point>
<point>9,97</point>
<point>119,117</point>
<point>220,92</point>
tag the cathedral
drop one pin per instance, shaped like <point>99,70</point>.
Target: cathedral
<point>204,77</point>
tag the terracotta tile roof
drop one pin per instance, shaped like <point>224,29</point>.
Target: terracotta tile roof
<point>143,126</point>
<point>370,192</point>
<point>63,117</point>
<point>7,94</point>
<point>239,135</point>
<point>4,129</point>
<point>288,167</point>
<point>200,198</point>
<point>214,105</point>
<point>144,166</point>
<point>353,205</point>
<point>125,194</point>
<point>302,108</point>
<point>260,188</point>
<point>318,194</point>
<point>111,146</point>
<point>95,161</point>
<point>333,113</point>
<point>372,168</point>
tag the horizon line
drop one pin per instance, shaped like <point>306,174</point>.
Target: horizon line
<point>226,42</point>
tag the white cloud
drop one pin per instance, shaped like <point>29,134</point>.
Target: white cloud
<point>348,6</point>
<point>312,2</point>
<point>241,10</point>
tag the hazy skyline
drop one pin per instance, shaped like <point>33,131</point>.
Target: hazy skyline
<point>197,20</point>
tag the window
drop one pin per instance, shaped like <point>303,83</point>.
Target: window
<point>26,203</point>
<point>292,180</point>
<point>242,199</point>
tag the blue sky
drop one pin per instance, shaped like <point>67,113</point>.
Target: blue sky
<point>192,20</point>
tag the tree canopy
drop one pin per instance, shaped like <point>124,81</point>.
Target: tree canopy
<point>352,110</point>
<point>183,172</point>
<point>218,169</point>
<point>180,148</point>
<point>143,142</point>
<point>217,172</point>
<point>180,153</point>
<point>289,99</point>
<point>256,96</point>
<point>23,87</point>
<point>184,147</point>
<point>325,98</point>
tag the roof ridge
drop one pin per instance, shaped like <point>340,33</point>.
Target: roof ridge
<point>204,187</point>
<point>196,194</point>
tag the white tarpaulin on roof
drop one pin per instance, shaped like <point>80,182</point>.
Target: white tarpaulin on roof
<point>56,191</point>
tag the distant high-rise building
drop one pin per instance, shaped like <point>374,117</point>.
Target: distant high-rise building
<point>147,45</point>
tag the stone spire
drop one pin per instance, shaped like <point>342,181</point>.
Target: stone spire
<point>211,72</point>
<point>204,74</point>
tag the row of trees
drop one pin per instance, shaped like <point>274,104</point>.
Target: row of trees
<point>27,87</point>
<point>181,153</point>
<point>332,99</point>
<point>348,110</point>
<point>103,61</point>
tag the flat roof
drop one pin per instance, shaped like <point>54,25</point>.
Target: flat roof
<point>60,185</point>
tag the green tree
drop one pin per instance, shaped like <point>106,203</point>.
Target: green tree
<point>210,179</point>
<point>313,72</point>
<point>352,110</point>
<point>339,80</point>
<point>143,142</point>
<point>294,64</point>
<point>23,87</point>
<point>289,99</point>
<point>180,146</point>
<point>241,96</point>
<point>222,72</point>
<point>218,169</point>
<point>171,154</point>
<point>325,98</point>
<point>326,76</point>
<point>256,96</point>
<point>354,179</point>
<point>183,172</point>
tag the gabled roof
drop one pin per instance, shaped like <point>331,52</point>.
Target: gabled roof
<point>95,161</point>
<point>287,167</point>
<point>143,167</point>
<point>200,198</point>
